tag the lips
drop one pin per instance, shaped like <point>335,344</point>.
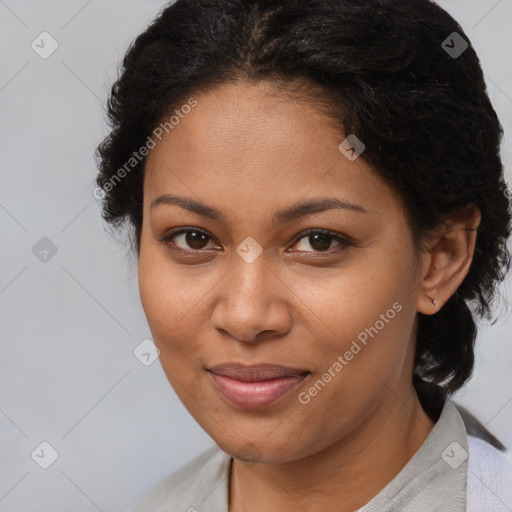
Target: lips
<point>256,386</point>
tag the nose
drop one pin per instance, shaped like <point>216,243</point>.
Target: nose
<point>252,304</point>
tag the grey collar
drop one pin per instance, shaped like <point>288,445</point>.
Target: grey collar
<point>436,474</point>
<point>435,478</point>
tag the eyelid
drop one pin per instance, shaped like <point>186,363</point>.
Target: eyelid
<point>343,241</point>
<point>166,238</point>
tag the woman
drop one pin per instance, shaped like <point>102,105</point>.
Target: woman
<point>316,196</point>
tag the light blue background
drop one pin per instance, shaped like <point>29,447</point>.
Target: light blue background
<point>68,375</point>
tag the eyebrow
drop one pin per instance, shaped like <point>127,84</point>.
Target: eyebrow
<point>280,217</point>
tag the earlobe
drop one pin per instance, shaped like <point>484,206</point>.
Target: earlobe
<point>449,258</point>
<point>428,305</point>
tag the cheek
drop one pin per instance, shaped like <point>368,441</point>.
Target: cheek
<point>173,322</point>
<point>176,301</point>
<point>364,315</point>
<point>166,299</point>
<point>355,377</point>
<point>156,293</point>
<point>353,303</point>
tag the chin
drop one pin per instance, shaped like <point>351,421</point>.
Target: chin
<point>252,449</point>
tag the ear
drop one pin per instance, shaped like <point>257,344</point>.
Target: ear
<point>447,258</point>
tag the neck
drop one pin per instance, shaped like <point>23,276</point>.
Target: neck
<point>343,477</point>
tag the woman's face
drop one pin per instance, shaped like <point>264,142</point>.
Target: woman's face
<point>247,286</point>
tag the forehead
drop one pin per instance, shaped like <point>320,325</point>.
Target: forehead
<point>246,120</point>
<point>247,145</point>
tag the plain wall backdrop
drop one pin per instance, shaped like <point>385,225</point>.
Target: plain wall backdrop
<point>70,323</point>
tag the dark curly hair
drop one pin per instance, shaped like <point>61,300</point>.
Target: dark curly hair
<point>384,72</point>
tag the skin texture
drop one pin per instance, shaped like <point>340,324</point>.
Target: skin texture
<point>249,151</point>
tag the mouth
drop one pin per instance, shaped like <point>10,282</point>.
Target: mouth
<point>256,386</point>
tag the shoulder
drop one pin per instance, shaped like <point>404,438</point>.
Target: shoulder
<point>203,478</point>
<point>489,484</point>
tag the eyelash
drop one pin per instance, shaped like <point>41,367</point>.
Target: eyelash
<point>344,243</point>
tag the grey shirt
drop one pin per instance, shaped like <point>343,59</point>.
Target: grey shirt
<point>434,479</point>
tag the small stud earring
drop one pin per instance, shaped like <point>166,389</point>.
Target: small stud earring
<point>434,301</point>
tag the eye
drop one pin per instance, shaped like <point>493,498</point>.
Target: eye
<point>320,240</point>
<point>187,239</point>
<point>194,240</point>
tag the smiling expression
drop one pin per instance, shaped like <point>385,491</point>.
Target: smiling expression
<point>249,171</point>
